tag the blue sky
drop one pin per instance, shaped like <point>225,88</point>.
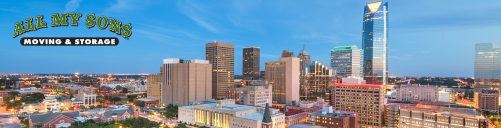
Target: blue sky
<point>427,37</point>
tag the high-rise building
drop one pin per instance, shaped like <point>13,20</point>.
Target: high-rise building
<point>304,59</point>
<point>154,86</point>
<point>222,57</point>
<point>283,76</point>
<point>375,43</point>
<point>250,63</point>
<point>186,81</point>
<point>320,80</point>
<point>487,100</point>
<point>487,66</point>
<point>286,53</point>
<point>366,99</point>
<point>347,61</point>
<point>262,75</point>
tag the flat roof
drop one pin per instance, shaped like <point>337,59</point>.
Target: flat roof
<point>146,99</point>
<point>228,107</point>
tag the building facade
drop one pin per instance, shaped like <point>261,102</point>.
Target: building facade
<point>154,86</point>
<point>257,94</point>
<point>487,66</point>
<point>347,61</point>
<point>304,60</point>
<point>227,114</point>
<point>487,100</point>
<point>147,102</point>
<point>87,98</point>
<point>365,99</point>
<point>375,43</point>
<point>294,116</point>
<point>52,120</point>
<point>250,63</point>
<point>222,58</point>
<point>186,81</point>
<point>417,92</point>
<point>118,113</point>
<point>320,80</point>
<point>334,119</point>
<point>429,116</point>
<point>283,76</point>
<point>286,53</point>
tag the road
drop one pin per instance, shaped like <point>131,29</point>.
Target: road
<point>158,119</point>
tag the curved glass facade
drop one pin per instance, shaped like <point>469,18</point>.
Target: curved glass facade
<point>375,43</point>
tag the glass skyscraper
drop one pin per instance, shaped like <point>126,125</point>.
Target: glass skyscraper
<point>347,61</point>
<point>375,43</point>
<point>487,66</point>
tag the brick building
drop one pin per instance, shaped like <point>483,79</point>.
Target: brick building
<point>147,102</point>
<point>334,119</point>
<point>53,119</point>
<point>118,113</point>
<point>487,100</point>
<point>293,117</point>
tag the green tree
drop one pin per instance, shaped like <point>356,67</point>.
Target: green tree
<point>92,107</point>
<point>14,94</point>
<point>135,125</point>
<point>71,95</point>
<point>83,107</point>
<point>139,104</point>
<point>71,108</point>
<point>61,110</point>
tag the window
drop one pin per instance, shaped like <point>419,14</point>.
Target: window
<point>61,121</point>
<point>126,116</point>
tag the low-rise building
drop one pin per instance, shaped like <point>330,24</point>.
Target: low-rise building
<point>52,120</point>
<point>118,113</point>
<point>334,119</point>
<point>293,116</point>
<point>487,100</point>
<point>256,94</point>
<point>147,102</point>
<point>50,103</point>
<point>226,114</point>
<point>406,93</point>
<point>428,116</point>
<point>87,98</point>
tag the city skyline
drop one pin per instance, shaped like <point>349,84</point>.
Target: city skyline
<point>444,49</point>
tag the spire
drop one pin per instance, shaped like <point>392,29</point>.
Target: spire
<point>267,115</point>
<point>303,47</point>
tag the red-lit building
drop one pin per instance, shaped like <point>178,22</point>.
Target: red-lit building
<point>293,117</point>
<point>147,102</point>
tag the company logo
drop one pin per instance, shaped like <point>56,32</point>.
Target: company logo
<point>102,22</point>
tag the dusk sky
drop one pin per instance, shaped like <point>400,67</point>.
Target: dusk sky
<point>426,37</point>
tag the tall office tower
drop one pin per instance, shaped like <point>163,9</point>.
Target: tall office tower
<point>320,80</point>
<point>154,86</point>
<point>250,63</point>
<point>304,59</point>
<point>375,43</point>
<point>262,75</point>
<point>286,53</point>
<point>186,81</point>
<point>366,99</point>
<point>283,76</point>
<point>347,61</point>
<point>487,66</point>
<point>222,57</point>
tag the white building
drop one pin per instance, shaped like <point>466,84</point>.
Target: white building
<point>87,98</point>
<point>227,114</point>
<point>417,92</point>
<point>50,103</point>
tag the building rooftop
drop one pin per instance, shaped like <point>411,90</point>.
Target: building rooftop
<point>336,114</point>
<point>290,112</point>
<point>305,126</point>
<point>439,110</point>
<point>233,107</point>
<point>146,99</point>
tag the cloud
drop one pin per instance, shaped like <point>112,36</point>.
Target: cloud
<point>200,15</point>
<point>269,56</point>
<point>72,5</point>
<point>124,5</point>
<point>428,51</point>
<point>399,58</point>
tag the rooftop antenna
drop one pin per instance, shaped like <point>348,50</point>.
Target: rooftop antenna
<point>304,43</point>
